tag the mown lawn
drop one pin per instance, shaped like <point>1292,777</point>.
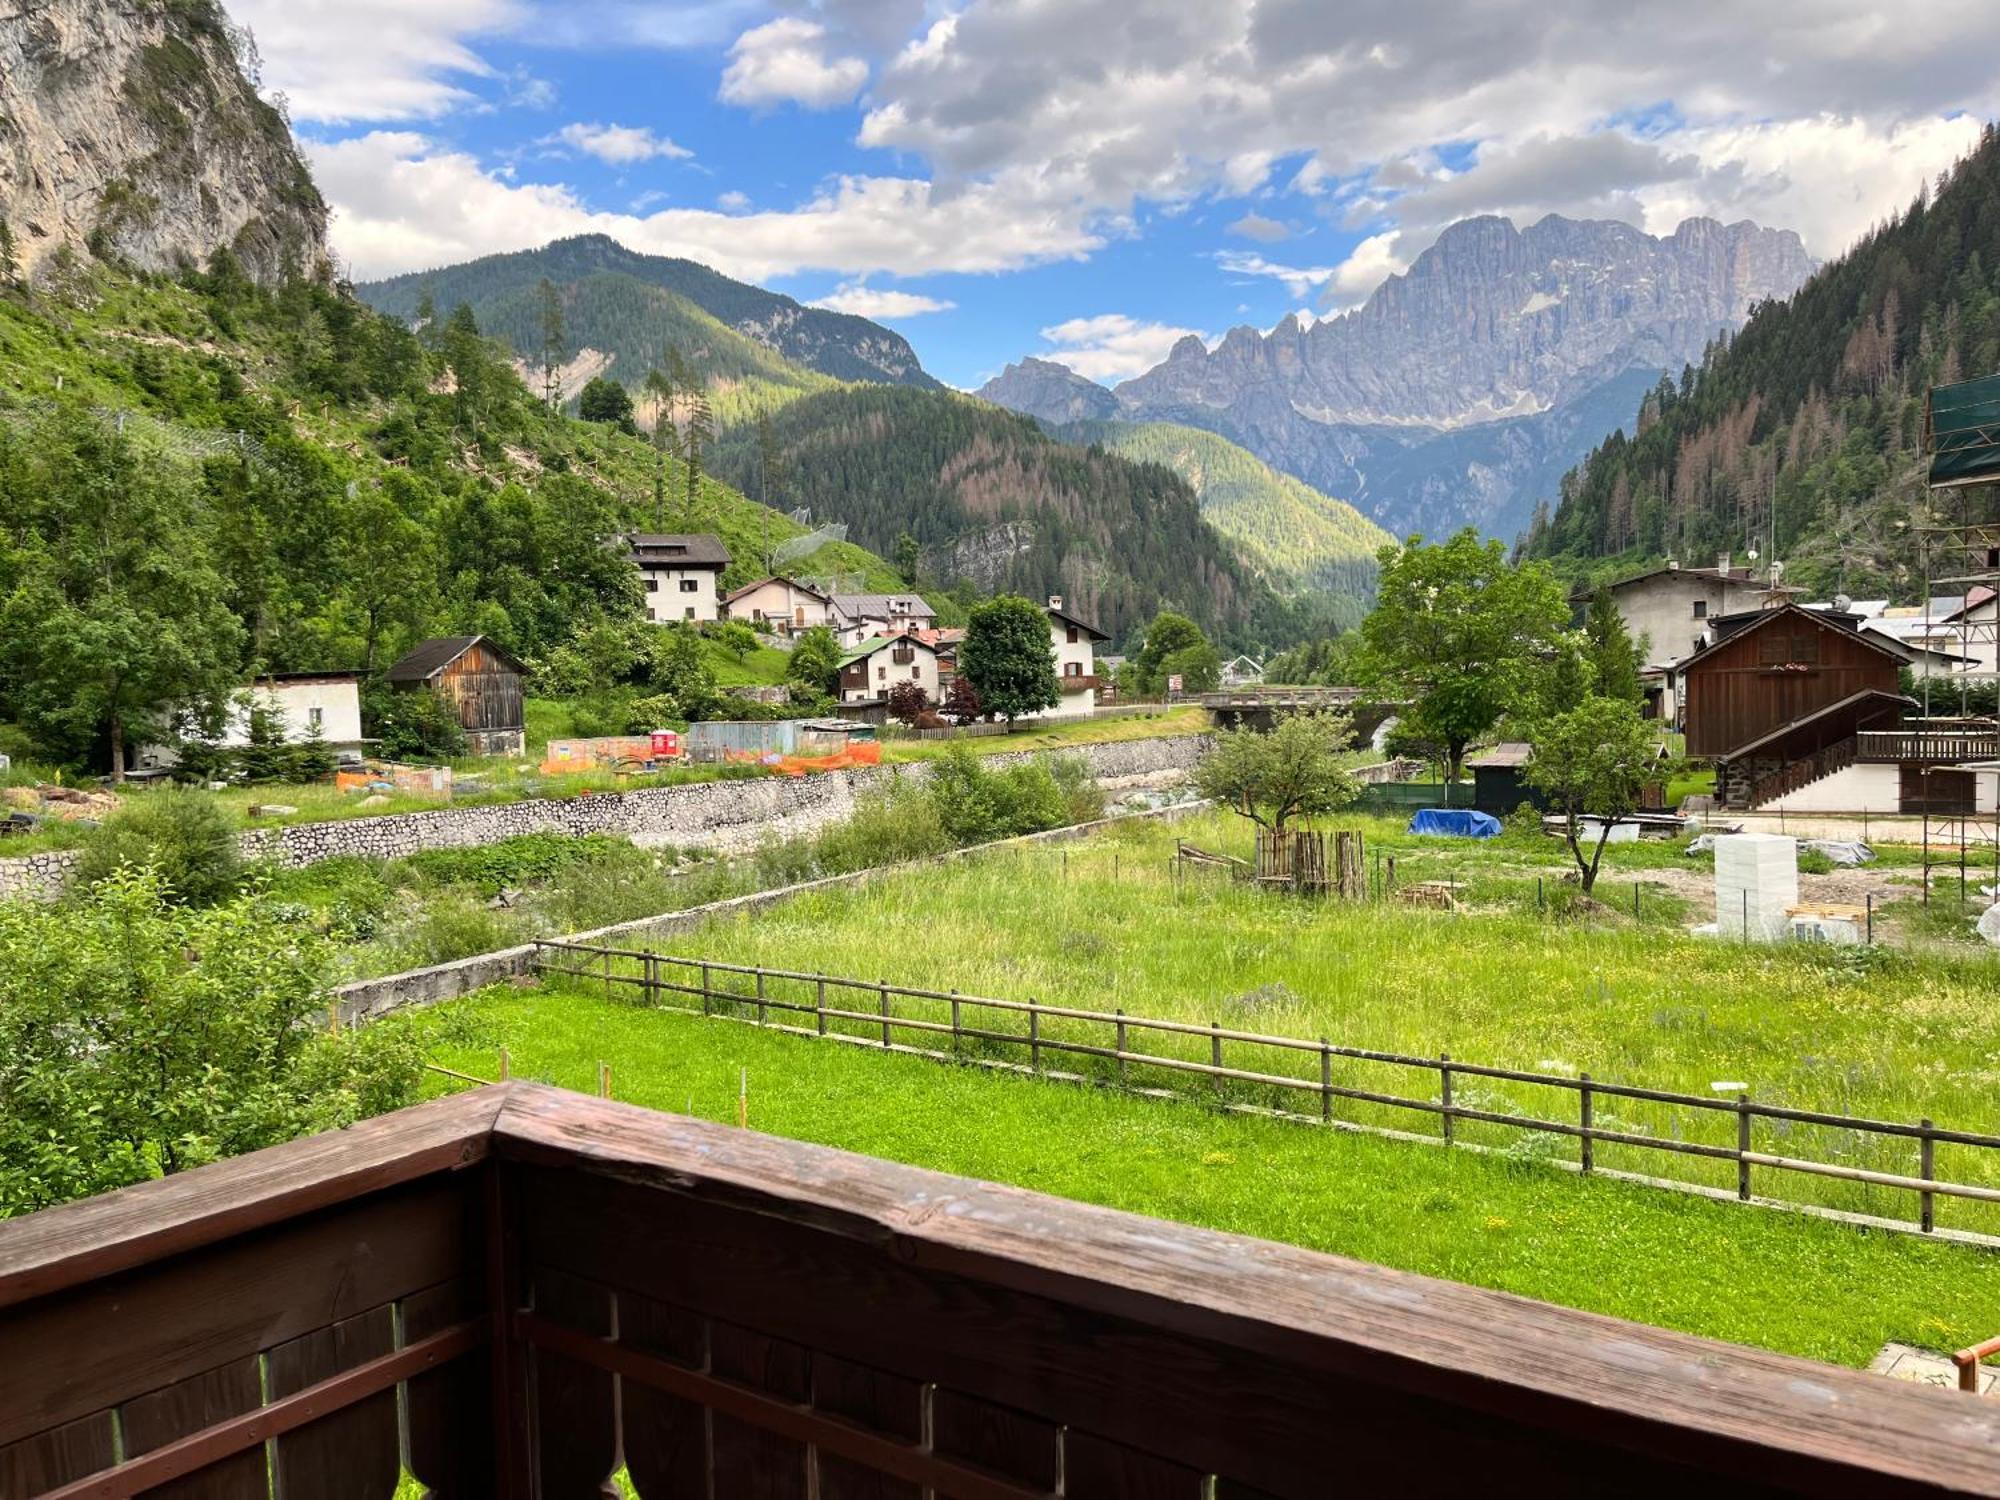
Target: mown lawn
<point>1750,1275</point>
<point>1166,723</point>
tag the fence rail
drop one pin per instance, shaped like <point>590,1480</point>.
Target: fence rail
<point>828,1000</point>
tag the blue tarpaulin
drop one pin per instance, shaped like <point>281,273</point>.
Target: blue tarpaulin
<point>1455,823</point>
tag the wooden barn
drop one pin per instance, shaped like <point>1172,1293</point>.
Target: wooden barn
<point>1788,697</point>
<point>478,678</point>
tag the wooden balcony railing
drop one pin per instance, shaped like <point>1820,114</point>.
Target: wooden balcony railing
<point>1916,744</point>
<point>516,1291</point>
<point>1803,773</point>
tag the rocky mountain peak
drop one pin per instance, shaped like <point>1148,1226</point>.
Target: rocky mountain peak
<point>128,130</point>
<point>1050,392</point>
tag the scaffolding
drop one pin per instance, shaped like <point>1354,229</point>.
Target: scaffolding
<point>1961,556</point>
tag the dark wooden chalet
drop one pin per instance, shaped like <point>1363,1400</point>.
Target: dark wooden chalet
<point>513,1292</point>
<point>478,678</point>
<point>1787,696</point>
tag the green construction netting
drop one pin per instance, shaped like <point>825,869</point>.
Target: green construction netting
<point>1963,432</point>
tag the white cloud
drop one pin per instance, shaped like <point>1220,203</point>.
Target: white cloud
<point>732,202</point>
<point>621,145</point>
<point>1254,226</point>
<point>1367,266</point>
<point>1300,281</point>
<point>786,60</point>
<point>1111,346</point>
<point>880,302</point>
<point>343,60</point>
<point>403,203</point>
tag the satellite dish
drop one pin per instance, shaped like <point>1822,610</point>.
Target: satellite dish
<point>1842,604</point>
<point>1751,553</point>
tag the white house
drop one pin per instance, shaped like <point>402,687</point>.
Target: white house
<point>1074,643</point>
<point>870,669</point>
<point>1666,612</point>
<point>856,617</point>
<point>781,604</point>
<point>681,575</point>
<point>306,704</point>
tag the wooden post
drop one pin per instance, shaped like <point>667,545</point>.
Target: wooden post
<point>1034,1036</point>
<point>1215,1052</point>
<point>761,1010</point>
<point>607,973</point>
<point>819,1003</point>
<point>1926,1169</point>
<point>743,1099</point>
<point>604,1080</point>
<point>883,987</point>
<point>506,1065</point>
<point>1743,1147</point>
<point>704,989</point>
<point>1583,1116</point>
<point>1444,1093</point>
<point>1325,1083</point>
<point>956,1040</point>
<point>1121,1046</point>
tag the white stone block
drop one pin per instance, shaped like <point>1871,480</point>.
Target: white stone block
<point>1756,883</point>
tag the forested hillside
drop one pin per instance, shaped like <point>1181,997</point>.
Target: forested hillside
<point>1301,538</point>
<point>1807,426</point>
<point>993,500</point>
<point>612,316</point>
<point>204,479</point>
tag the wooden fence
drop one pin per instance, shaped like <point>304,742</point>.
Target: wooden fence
<point>956,1027</point>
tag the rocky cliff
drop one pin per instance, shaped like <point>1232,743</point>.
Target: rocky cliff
<point>1049,392</point>
<point>1493,327</point>
<point>128,131</point>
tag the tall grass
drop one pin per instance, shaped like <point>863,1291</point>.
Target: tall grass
<point>1108,926</point>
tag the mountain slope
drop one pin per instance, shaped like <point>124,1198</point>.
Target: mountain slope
<point>1491,325</point>
<point>995,501</point>
<point>1301,538</point>
<point>127,129</point>
<point>609,313</point>
<point>1807,426</point>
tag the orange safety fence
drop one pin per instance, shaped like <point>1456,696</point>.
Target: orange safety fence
<point>865,753</point>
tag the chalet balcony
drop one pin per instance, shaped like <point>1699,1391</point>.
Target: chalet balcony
<point>1080,684</point>
<point>517,1291</point>
<point>1930,742</point>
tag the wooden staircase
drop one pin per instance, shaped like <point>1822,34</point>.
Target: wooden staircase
<point>1802,773</point>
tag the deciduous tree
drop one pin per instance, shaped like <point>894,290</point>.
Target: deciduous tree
<point>1294,770</point>
<point>1594,759</point>
<point>1006,655</point>
<point>815,660</point>
<point>1462,637</point>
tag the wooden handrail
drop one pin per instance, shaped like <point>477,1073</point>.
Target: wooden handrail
<point>1968,1360</point>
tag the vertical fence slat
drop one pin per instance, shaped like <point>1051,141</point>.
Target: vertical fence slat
<point>1743,1147</point>
<point>704,989</point>
<point>883,988</point>
<point>1583,1118</point>
<point>1926,1169</point>
<point>1121,1046</point>
<point>1325,1082</point>
<point>762,1010</point>
<point>1444,1094</point>
<point>819,1003</point>
<point>1034,1034</point>
<point>1215,1055</point>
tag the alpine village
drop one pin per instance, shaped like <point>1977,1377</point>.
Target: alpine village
<point>995,750</point>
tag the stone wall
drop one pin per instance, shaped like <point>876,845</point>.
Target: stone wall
<point>725,816</point>
<point>366,999</point>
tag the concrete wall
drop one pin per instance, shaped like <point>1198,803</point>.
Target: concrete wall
<point>668,602</point>
<point>366,999</point>
<point>726,816</point>
<point>1869,789</point>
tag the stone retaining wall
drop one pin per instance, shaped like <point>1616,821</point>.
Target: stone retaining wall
<point>725,816</point>
<point>366,999</point>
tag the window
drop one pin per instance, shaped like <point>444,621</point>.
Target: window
<point>1805,647</point>
<point>1772,649</point>
<point>1701,609</point>
<point>1072,635</point>
<point>690,585</point>
<point>881,674</point>
<point>315,719</point>
<point>915,673</point>
<point>688,613</point>
<point>1073,669</point>
<point>652,584</point>
<point>902,656</point>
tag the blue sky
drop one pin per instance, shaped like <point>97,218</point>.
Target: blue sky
<point>1092,179</point>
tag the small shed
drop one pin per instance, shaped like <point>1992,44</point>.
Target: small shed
<point>477,677</point>
<point>1498,787</point>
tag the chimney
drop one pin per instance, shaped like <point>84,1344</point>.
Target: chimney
<point>1722,563</point>
<point>1055,601</point>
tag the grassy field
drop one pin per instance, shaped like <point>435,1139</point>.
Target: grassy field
<point>1165,723</point>
<point>1569,990</point>
<point>1753,1276</point>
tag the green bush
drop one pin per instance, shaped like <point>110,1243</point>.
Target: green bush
<point>1815,862</point>
<point>183,836</point>
<point>901,822</point>
<point>975,805</point>
<point>413,725</point>
<point>1083,798</point>
<point>140,1038</point>
<point>520,860</point>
